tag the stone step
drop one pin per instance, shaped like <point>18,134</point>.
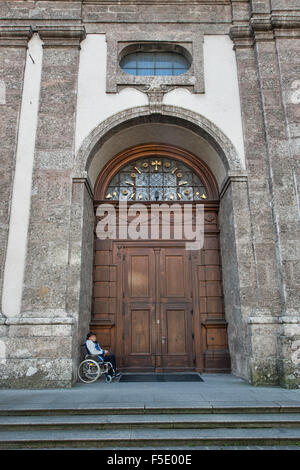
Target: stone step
<point>139,438</point>
<point>148,421</point>
<point>105,410</point>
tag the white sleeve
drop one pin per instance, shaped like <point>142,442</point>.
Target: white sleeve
<point>91,347</point>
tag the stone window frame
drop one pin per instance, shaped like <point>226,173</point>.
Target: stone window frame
<point>119,46</point>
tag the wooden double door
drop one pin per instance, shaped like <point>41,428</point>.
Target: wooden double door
<point>157,308</point>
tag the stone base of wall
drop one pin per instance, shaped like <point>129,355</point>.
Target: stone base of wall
<point>264,372</point>
<point>275,351</point>
<point>240,365</point>
<point>262,333</point>
<point>36,373</point>
<point>289,356</point>
<point>38,352</point>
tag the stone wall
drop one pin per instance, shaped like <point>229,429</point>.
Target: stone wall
<point>259,211</point>
<point>271,43</point>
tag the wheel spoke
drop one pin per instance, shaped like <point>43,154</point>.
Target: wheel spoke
<point>89,371</point>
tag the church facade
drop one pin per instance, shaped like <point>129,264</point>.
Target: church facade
<point>126,108</point>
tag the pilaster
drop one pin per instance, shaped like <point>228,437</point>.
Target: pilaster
<point>13,49</point>
<point>239,268</point>
<point>265,40</point>
<point>47,257</point>
<point>259,197</point>
<point>44,300</point>
<point>268,301</point>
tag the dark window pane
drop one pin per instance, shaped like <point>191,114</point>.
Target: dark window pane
<point>145,60</point>
<point>163,72</point>
<point>129,61</point>
<point>177,72</point>
<point>145,72</point>
<point>130,71</point>
<point>155,63</point>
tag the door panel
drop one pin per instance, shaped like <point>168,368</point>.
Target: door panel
<point>140,331</point>
<point>138,352</point>
<point>176,303</point>
<point>139,308</point>
<point>174,276</point>
<point>176,332</point>
<point>139,273</point>
<point>139,276</point>
<point>177,342</point>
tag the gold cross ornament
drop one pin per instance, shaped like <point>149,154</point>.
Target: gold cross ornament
<point>156,163</point>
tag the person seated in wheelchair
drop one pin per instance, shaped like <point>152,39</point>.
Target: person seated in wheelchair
<point>103,355</point>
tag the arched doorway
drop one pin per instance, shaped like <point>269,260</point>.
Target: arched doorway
<point>158,305</point>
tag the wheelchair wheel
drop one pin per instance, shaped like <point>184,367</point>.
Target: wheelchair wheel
<point>89,371</point>
<point>108,378</point>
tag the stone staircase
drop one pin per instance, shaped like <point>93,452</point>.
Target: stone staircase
<point>157,428</point>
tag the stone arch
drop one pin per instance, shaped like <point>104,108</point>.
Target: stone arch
<point>164,114</point>
<point>234,215</point>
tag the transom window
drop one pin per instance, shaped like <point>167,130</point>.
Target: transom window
<point>156,179</point>
<point>155,64</point>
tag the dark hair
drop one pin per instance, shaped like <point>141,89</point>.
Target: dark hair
<point>90,334</point>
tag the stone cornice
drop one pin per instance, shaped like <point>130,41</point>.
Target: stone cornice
<point>242,36</point>
<point>262,28</point>
<point>266,27</point>
<point>286,20</point>
<point>15,36</point>
<point>52,36</point>
<point>233,177</point>
<point>286,26</point>
<point>85,179</point>
<point>277,24</point>
<point>155,2</point>
<point>39,320</point>
<point>61,36</point>
<point>290,20</point>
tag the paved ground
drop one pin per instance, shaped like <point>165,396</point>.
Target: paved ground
<point>215,390</point>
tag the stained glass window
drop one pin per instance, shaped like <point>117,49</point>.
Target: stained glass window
<point>155,63</point>
<point>156,179</point>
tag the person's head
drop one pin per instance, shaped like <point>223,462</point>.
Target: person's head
<point>91,336</point>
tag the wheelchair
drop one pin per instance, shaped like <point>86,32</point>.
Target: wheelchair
<point>91,368</point>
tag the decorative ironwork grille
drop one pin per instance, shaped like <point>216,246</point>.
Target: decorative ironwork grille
<point>156,179</point>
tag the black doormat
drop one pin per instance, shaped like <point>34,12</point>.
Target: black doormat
<point>160,378</point>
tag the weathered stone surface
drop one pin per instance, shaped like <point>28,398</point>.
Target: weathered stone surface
<point>80,278</point>
<point>46,272</point>
<point>12,63</point>
<point>259,192</point>
<point>259,209</point>
<point>36,373</point>
<point>238,270</point>
<point>24,10</point>
<point>289,355</point>
<point>156,13</point>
